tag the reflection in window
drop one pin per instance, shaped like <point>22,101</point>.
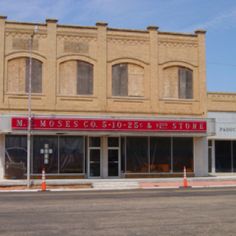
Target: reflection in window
<point>127,80</point>
<point>38,158</point>
<point>182,154</point>
<point>160,154</point>
<point>137,154</point>
<point>15,156</point>
<point>76,78</point>
<point>178,83</point>
<point>71,154</point>
<point>18,75</point>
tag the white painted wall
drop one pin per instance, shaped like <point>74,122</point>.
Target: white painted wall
<point>201,156</point>
<point>225,124</point>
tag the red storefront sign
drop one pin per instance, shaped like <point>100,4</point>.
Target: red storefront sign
<point>19,123</point>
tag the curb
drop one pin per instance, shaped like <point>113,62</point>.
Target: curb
<point>109,189</point>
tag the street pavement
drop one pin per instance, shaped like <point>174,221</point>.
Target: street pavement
<point>120,213</point>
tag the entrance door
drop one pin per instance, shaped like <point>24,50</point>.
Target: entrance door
<point>113,154</point>
<point>94,157</point>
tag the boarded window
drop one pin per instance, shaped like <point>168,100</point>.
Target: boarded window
<point>76,78</point>
<point>36,76</point>
<point>178,83</point>
<point>185,83</point>
<point>127,80</point>
<point>135,80</point>
<point>67,78</point>
<point>18,75</point>
<point>84,78</point>
<point>170,82</point>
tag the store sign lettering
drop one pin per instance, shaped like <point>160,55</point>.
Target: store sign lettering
<point>109,125</point>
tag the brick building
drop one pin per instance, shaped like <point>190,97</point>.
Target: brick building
<point>109,103</point>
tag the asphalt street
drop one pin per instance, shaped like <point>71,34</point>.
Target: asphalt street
<point>120,213</point>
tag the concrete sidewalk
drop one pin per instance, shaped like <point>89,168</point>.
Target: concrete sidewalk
<point>118,184</point>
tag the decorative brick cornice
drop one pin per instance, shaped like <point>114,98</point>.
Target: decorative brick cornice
<point>177,43</point>
<point>25,34</point>
<point>128,40</point>
<point>76,37</point>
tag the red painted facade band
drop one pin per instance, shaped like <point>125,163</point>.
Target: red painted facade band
<point>21,123</point>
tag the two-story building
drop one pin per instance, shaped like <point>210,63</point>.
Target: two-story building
<point>108,103</point>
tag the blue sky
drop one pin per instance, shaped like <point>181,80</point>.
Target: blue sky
<point>218,17</point>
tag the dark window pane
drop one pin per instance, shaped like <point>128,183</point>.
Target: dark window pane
<point>95,163</point>
<point>234,155</point>
<point>223,156</point>
<point>113,142</point>
<point>182,154</point>
<point>185,83</point>
<point>15,156</point>
<point>94,142</point>
<point>71,154</point>
<point>209,143</point>
<point>122,149</point>
<point>160,154</point>
<point>209,159</point>
<point>120,80</point>
<point>38,158</point>
<point>113,162</point>
<point>36,82</point>
<point>84,78</point>
<point>137,154</point>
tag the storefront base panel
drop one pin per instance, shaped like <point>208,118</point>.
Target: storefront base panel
<point>59,176</point>
<point>160,175</point>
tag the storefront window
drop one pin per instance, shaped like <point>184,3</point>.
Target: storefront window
<point>223,156</point>
<point>160,154</point>
<point>137,154</point>
<point>15,156</point>
<point>234,156</point>
<point>123,156</point>
<point>182,154</point>
<point>71,154</point>
<point>38,158</point>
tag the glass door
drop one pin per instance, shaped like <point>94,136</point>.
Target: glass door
<point>113,157</point>
<point>94,157</point>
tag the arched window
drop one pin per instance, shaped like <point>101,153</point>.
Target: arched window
<point>76,78</point>
<point>178,82</point>
<point>18,75</point>
<point>127,80</point>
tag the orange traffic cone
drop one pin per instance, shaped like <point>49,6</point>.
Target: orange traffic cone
<point>185,181</point>
<point>43,184</point>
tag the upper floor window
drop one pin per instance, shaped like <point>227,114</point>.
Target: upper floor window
<point>18,75</point>
<point>127,80</point>
<point>185,83</point>
<point>178,83</point>
<point>76,78</point>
